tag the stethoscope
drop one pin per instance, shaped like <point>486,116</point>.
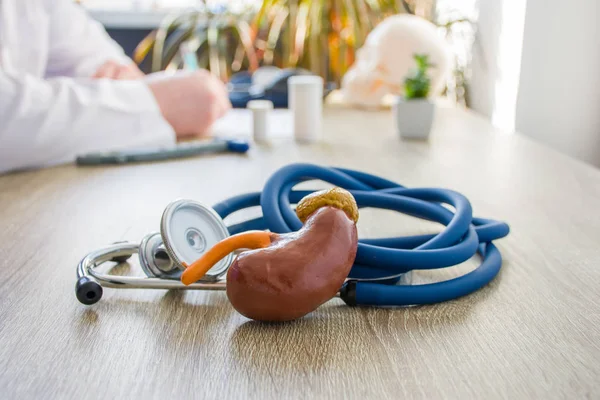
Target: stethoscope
<point>381,272</point>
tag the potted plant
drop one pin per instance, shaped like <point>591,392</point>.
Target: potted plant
<point>414,111</point>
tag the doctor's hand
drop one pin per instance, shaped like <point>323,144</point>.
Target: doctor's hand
<point>190,101</point>
<point>115,70</point>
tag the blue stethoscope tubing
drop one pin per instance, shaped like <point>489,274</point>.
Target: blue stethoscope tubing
<point>380,263</point>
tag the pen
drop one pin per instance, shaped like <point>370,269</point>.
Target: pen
<point>185,149</point>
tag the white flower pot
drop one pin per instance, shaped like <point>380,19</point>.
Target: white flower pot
<point>414,117</point>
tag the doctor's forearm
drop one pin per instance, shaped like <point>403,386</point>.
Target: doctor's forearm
<point>48,122</point>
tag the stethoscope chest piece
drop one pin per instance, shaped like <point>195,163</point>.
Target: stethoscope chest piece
<point>155,260</point>
<point>188,229</point>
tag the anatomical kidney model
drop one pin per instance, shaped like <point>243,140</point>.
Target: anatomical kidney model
<point>286,276</point>
<point>387,57</point>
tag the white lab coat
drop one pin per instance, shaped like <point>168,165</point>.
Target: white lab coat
<point>50,109</point>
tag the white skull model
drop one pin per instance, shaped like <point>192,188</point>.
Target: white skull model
<point>387,57</point>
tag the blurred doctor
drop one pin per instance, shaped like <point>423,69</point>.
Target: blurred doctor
<point>66,88</point>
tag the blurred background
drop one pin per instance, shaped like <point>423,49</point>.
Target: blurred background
<point>529,65</point>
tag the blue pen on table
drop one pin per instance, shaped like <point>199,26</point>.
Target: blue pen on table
<point>181,150</point>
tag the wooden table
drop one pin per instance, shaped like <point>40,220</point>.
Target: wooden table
<point>534,332</point>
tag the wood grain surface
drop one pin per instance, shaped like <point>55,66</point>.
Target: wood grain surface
<point>534,332</point>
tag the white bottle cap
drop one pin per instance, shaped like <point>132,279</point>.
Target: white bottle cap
<point>306,80</point>
<point>260,118</point>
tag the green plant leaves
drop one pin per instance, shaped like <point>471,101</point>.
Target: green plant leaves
<point>417,84</point>
<point>319,35</point>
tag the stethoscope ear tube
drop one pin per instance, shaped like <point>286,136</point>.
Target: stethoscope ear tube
<point>87,290</point>
<point>90,282</point>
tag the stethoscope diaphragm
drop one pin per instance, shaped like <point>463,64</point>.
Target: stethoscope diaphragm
<point>188,229</point>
